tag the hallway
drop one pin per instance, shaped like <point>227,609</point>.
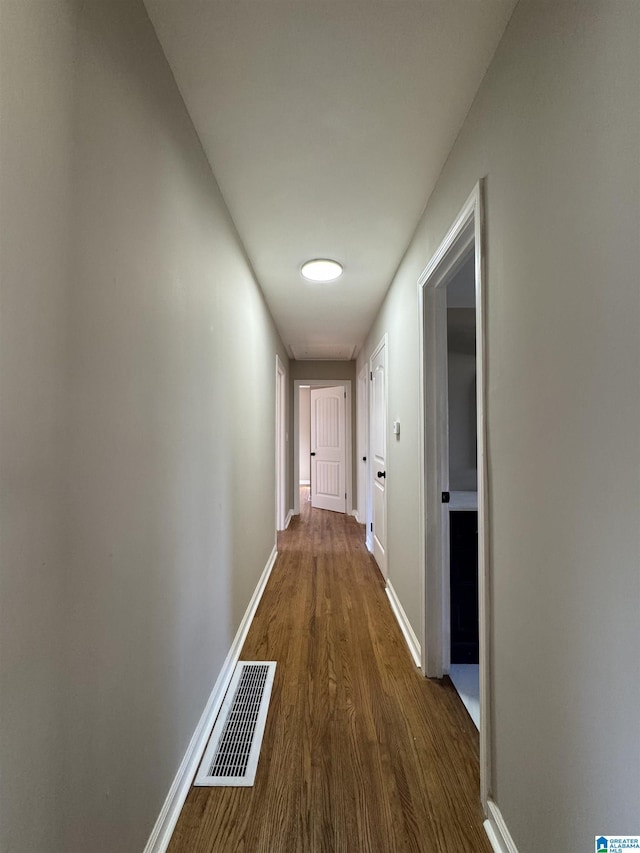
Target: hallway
<point>361,753</point>
<point>167,170</point>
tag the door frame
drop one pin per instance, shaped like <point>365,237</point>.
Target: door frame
<point>383,342</point>
<point>322,383</point>
<point>281,445</point>
<point>467,230</point>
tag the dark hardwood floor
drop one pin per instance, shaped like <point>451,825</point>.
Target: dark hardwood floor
<point>361,753</point>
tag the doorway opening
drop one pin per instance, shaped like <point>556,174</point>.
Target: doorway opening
<point>453,485</point>
<point>322,428</point>
<point>463,646</point>
<point>304,437</point>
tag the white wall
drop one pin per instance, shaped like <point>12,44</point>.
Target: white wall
<point>555,129</point>
<point>305,434</point>
<point>127,560</point>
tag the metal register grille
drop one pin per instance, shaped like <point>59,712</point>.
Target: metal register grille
<point>231,759</point>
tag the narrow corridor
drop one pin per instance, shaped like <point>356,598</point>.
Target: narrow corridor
<point>361,753</point>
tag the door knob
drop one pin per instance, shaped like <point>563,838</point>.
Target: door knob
<point>382,474</point>
<point>312,453</point>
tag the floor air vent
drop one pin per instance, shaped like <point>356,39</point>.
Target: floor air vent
<point>231,759</point>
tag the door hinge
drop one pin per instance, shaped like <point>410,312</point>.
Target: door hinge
<point>371,375</point>
<point>372,526</point>
<point>345,496</point>
<point>446,497</point>
<point>345,395</point>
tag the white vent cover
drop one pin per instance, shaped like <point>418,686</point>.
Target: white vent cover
<point>231,758</point>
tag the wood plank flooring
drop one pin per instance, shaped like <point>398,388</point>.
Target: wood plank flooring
<point>361,754</point>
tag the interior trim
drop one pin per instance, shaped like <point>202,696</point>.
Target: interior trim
<point>405,626</point>
<point>497,830</point>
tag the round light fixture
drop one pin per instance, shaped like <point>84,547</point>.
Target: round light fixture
<point>321,269</point>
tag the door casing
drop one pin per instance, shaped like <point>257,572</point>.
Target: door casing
<point>466,231</point>
<point>319,383</point>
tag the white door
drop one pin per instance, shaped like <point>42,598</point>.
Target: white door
<point>363,450</point>
<point>328,449</point>
<point>378,467</point>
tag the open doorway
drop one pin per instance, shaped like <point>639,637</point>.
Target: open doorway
<point>304,442</point>
<point>464,669</point>
<point>322,444</point>
<point>454,482</point>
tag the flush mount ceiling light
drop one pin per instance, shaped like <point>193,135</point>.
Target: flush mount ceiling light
<point>321,269</point>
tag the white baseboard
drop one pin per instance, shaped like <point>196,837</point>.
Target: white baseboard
<point>405,626</point>
<point>497,831</point>
<point>355,515</point>
<point>287,520</point>
<point>163,830</point>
